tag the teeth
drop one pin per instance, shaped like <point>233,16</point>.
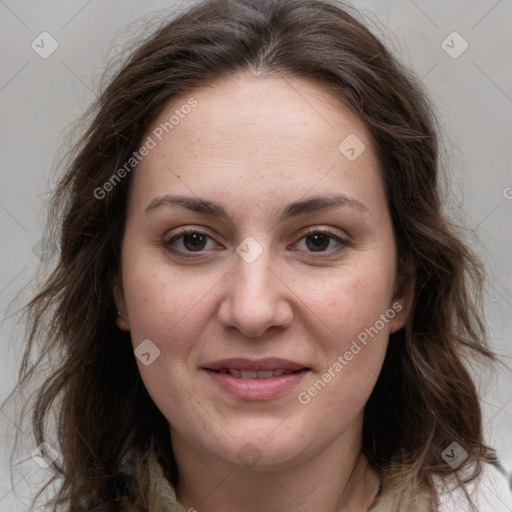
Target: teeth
<point>250,374</point>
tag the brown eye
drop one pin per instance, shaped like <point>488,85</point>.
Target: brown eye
<point>194,241</point>
<point>189,241</point>
<point>319,242</point>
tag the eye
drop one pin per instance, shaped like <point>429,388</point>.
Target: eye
<point>190,241</point>
<point>318,240</point>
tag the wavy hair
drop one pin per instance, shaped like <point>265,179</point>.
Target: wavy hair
<point>108,426</point>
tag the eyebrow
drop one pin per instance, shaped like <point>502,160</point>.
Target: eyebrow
<point>301,207</point>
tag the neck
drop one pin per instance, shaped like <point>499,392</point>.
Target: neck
<point>338,478</point>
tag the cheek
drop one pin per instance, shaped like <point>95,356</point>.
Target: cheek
<point>350,314</point>
<point>162,299</point>
<point>166,308</point>
<point>349,302</point>
<point>171,311</point>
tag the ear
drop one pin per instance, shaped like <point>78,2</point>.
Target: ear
<point>122,320</point>
<point>403,295</point>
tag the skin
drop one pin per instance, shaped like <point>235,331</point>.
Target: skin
<point>254,144</point>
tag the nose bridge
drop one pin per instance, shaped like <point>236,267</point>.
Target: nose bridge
<point>255,298</point>
<point>254,273</point>
<point>254,276</point>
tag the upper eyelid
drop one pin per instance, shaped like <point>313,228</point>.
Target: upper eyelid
<point>327,231</point>
<point>186,231</point>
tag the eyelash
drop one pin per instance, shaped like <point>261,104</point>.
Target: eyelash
<point>194,254</point>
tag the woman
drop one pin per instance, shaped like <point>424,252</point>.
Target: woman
<point>259,304</point>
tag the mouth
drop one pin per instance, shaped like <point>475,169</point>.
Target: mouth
<point>251,374</point>
<point>259,366</point>
<point>256,379</point>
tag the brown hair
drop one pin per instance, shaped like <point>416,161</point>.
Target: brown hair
<point>424,399</point>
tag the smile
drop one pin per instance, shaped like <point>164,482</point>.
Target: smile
<point>250,374</point>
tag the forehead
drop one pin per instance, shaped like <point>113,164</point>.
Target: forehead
<point>264,107</point>
<point>255,133</point>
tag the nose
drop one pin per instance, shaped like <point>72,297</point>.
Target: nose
<point>256,298</point>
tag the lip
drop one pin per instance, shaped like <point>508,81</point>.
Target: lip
<point>256,389</point>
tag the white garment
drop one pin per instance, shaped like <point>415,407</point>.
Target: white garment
<point>490,493</point>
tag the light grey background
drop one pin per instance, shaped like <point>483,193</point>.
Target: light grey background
<point>472,94</point>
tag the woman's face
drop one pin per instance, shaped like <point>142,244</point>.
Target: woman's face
<point>289,265</point>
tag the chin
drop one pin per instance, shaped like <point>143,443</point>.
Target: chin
<point>263,453</point>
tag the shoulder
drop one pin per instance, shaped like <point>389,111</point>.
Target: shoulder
<point>490,492</point>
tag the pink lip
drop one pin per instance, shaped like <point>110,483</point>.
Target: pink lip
<point>256,389</point>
